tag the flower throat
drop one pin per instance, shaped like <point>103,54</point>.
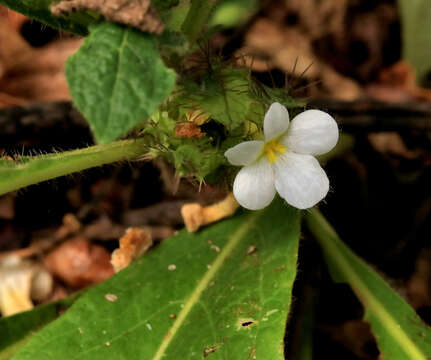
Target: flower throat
<point>272,149</point>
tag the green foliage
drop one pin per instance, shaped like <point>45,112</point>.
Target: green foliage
<point>194,24</point>
<point>230,13</point>
<point>18,329</point>
<point>174,17</point>
<point>192,157</point>
<point>229,96</point>
<point>39,10</point>
<point>117,79</point>
<point>400,333</point>
<point>225,298</point>
<point>416,34</point>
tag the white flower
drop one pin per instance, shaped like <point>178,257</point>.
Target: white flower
<point>285,161</point>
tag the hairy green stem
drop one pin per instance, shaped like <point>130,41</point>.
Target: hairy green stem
<point>32,170</point>
<point>343,262</point>
<point>197,18</point>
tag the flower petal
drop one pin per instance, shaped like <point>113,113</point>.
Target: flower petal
<point>244,153</point>
<point>311,132</point>
<point>254,187</point>
<point>300,180</point>
<point>276,121</point>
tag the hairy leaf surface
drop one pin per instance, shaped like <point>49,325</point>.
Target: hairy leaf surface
<point>224,292</point>
<point>117,79</point>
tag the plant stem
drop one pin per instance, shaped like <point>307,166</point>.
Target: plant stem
<point>197,18</point>
<point>32,170</point>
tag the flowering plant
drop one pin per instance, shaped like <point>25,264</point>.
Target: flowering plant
<point>284,161</point>
<point>150,91</point>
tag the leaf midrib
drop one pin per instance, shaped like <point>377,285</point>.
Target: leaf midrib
<point>374,305</point>
<point>204,282</point>
<point>114,87</point>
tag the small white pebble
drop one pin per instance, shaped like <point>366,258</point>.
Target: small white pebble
<point>111,297</point>
<point>172,267</point>
<point>216,248</point>
<point>148,325</point>
<point>108,343</point>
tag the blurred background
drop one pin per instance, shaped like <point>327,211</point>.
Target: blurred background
<point>368,63</point>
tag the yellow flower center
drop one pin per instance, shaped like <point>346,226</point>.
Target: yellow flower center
<point>271,149</point>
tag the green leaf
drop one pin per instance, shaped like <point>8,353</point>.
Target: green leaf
<point>39,10</point>
<point>224,292</point>
<point>231,13</point>
<point>117,79</point>
<point>400,333</point>
<point>18,329</point>
<point>416,34</point>
<point>223,94</point>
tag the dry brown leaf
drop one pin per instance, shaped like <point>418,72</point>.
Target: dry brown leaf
<point>398,84</point>
<point>188,130</point>
<point>79,263</point>
<point>14,19</point>
<point>70,225</point>
<point>38,74</point>
<point>134,244</point>
<point>7,206</point>
<point>27,74</point>
<point>391,143</point>
<point>103,229</point>
<point>136,13</point>
<point>12,47</point>
<point>270,45</point>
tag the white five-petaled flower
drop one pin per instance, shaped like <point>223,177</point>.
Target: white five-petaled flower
<point>284,161</point>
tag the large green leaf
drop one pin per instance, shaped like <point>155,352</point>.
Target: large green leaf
<point>224,292</point>
<point>117,79</point>
<point>416,34</point>
<point>400,333</point>
<point>39,9</point>
<point>18,329</point>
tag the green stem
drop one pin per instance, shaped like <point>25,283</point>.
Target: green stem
<point>333,248</point>
<point>32,170</point>
<point>197,18</point>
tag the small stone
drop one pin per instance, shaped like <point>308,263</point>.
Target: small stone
<point>172,267</point>
<point>108,343</point>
